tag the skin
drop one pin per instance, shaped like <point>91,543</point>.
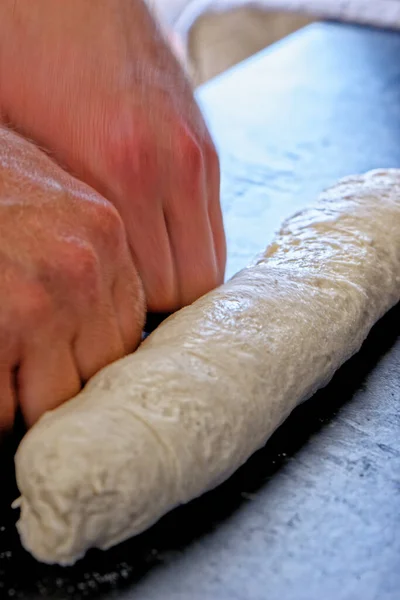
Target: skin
<point>71,299</point>
<point>96,87</point>
<point>96,84</point>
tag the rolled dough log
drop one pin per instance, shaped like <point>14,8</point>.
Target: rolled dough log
<point>212,383</point>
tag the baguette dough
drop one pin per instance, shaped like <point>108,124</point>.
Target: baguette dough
<point>214,381</point>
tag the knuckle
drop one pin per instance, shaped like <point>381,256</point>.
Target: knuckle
<point>33,306</point>
<point>189,151</point>
<point>211,154</point>
<point>103,225</point>
<point>70,276</point>
<point>108,222</point>
<point>78,264</point>
<point>128,145</point>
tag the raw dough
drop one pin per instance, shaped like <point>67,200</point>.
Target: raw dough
<point>210,386</point>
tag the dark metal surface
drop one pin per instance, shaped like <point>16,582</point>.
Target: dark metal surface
<point>316,513</point>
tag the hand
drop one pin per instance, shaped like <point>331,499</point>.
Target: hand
<point>71,300</point>
<point>96,84</point>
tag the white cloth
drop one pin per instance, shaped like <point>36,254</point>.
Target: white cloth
<point>182,14</point>
<point>223,37</point>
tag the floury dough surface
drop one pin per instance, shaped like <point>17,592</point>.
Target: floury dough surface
<point>214,381</point>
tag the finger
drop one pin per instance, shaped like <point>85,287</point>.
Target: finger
<point>194,256</point>
<point>47,377</point>
<point>129,305</point>
<point>215,214</point>
<point>151,252</point>
<point>10,353</point>
<point>99,341</point>
<point>191,239</point>
<point>137,198</point>
<point>8,402</point>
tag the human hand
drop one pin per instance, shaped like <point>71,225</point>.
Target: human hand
<point>97,85</point>
<point>71,300</point>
